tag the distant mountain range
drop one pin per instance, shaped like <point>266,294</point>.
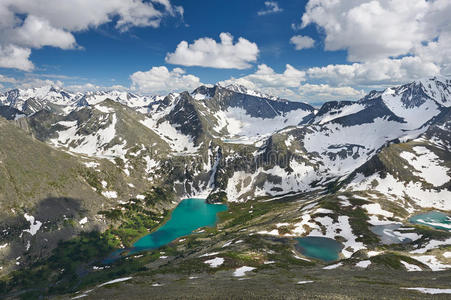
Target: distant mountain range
<point>325,145</point>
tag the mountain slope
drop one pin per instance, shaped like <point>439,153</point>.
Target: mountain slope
<point>416,173</point>
<point>50,189</point>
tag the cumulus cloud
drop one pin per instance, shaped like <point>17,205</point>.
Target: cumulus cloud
<point>302,42</point>
<point>12,56</point>
<point>369,29</point>
<point>159,80</point>
<point>438,52</point>
<point>289,85</point>
<point>266,77</point>
<point>36,33</point>
<point>206,52</point>
<point>26,25</point>
<point>271,7</point>
<point>325,92</point>
<point>373,73</point>
<point>387,41</point>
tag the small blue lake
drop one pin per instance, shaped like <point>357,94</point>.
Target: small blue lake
<point>322,248</point>
<point>389,234</point>
<point>434,219</point>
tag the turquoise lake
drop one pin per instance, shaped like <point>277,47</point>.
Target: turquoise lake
<point>188,216</point>
<point>434,219</point>
<point>322,248</point>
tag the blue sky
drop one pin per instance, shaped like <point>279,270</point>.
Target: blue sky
<point>117,41</point>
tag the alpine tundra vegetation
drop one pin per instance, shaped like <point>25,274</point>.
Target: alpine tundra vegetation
<point>327,176</point>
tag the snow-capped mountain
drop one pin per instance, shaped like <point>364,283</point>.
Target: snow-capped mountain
<point>414,104</point>
<point>125,98</point>
<point>241,114</point>
<point>58,100</point>
<point>244,90</point>
<point>51,94</point>
<point>32,100</point>
<point>342,135</point>
<point>340,138</point>
<point>318,148</point>
<point>437,88</point>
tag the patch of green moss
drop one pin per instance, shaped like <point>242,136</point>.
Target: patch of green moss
<point>92,179</point>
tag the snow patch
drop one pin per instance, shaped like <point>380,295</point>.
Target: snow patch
<point>34,225</point>
<point>242,271</point>
<point>331,267</point>
<point>109,194</point>
<point>432,291</point>
<point>428,166</point>
<point>363,264</point>
<point>410,267</point>
<point>115,281</point>
<point>432,262</point>
<point>215,262</point>
<point>376,209</point>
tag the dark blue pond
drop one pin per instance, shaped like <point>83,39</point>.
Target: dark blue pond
<point>322,248</point>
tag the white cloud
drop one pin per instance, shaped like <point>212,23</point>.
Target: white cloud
<point>77,15</point>
<point>7,79</point>
<point>369,29</point>
<point>325,92</point>
<point>173,10</point>
<point>12,56</point>
<point>302,42</point>
<point>266,76</point>
<point>289,85</point>
<point>206,52</point>
<point>159,80</point>
<point>388,41</point>
<point>87,87</point>
<point>38,80</point>
<point>271,7</point>
<point>25,24</point>
<point>378,72</point>
<point>438,52</point>
<point>296,27</point>
<point>32,82</point>
<point>36,32</point>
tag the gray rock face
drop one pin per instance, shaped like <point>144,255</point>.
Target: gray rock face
<point>10,113</point>
<point>186,117</point>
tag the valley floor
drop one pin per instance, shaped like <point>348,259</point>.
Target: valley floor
<point>280,284</point>
<point>238,259</point>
